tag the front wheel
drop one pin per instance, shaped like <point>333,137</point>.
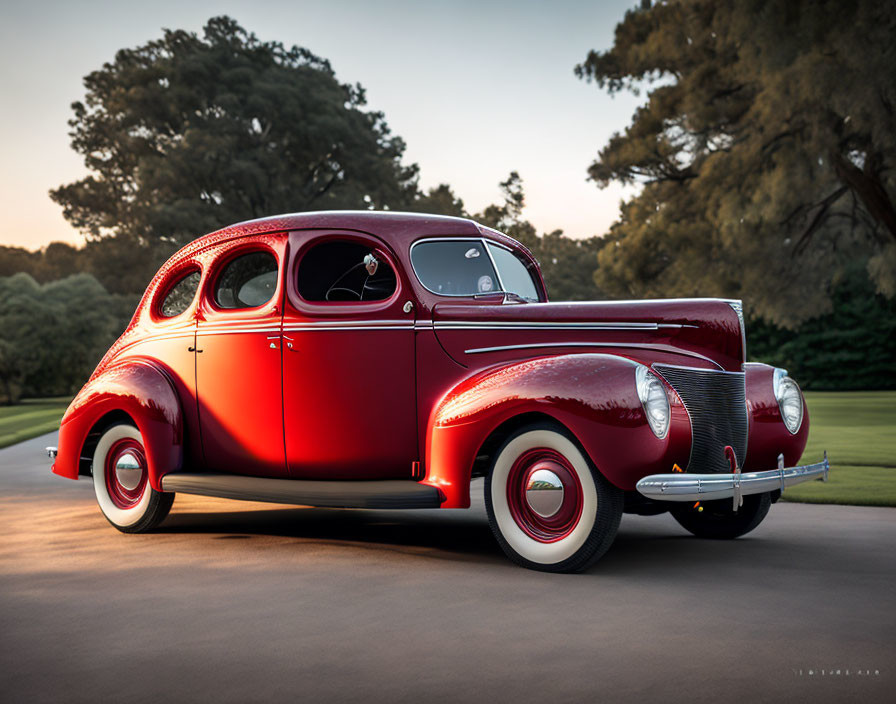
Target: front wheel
<point>121,482</point>
<point>718,520</point>
<point>548,506</point>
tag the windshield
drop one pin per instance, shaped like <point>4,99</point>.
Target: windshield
<point>465,268</point>
<point>513,273</point>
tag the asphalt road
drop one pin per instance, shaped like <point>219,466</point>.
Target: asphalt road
<point>236,602</point>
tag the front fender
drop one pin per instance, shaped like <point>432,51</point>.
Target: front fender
<point>140,388</point>
<point>592,395</point>
<point>769,436</point>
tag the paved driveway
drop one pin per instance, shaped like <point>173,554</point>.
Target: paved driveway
<point>237,602</point>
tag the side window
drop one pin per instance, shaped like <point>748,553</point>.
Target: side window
<point>454,267</point>
<point>248,281</point>
<point>337,270</point>
<point>180,295</point>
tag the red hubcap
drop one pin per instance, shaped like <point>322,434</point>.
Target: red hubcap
<point>561,522</point>
<point>125,473</point>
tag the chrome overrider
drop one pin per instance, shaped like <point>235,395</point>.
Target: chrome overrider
<point>709,487</point>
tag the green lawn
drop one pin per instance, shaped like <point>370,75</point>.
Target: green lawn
<point>30,418</point>
<point>858,429</point>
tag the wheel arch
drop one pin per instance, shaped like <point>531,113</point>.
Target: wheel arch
<point>591,396</point>
<point>504,430</point>
<point>137,391</point>
<point>91,440</point>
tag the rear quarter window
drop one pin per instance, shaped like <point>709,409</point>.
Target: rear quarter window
<point>248,281</point>
<point>180,295</point>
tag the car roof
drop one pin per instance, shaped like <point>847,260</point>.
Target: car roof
<point>399,228</point>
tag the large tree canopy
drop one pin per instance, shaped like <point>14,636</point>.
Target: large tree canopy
<point>766,150</point>
<point>186,134</point>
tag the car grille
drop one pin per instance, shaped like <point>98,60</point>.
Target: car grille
<point>716,404</point>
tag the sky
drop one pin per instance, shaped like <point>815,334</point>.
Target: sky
<point>475,88</point>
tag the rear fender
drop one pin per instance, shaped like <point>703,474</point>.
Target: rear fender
<point>142,390</point>
<point>591,395</point>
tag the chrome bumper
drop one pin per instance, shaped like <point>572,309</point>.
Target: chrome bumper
<point>51,453</point>
<point>709,487</point>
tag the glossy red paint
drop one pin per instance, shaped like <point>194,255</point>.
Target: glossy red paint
<point>238,371</point>
<point>349,391</point>
<point>769,436</point>
<point>701,333</point>
<point>142,390</point>
<point>367,390</point>
<point>592,395</point>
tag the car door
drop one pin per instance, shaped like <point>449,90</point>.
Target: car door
<point>349,406</point>
<point>238,359</point>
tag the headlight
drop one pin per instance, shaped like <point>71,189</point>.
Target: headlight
<point>790,401</point>
<point>654,400</point>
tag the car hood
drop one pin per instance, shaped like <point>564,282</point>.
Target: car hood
<point>702,332</point>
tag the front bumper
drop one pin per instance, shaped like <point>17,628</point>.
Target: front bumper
<point>710,487</point>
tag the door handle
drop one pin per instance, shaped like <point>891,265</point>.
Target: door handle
<point>192,349</point>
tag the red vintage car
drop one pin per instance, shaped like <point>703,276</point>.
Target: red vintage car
<point>384,360</point>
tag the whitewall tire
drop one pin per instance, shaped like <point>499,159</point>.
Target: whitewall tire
<point>121,482</point>
<point>548,506</point>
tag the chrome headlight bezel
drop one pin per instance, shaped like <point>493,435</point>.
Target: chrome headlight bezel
<point>654,401</point>
<point>790,401</point>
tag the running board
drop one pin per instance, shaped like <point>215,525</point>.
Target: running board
<point>384,493</point>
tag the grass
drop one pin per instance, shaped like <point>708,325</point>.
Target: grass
<point>30,418</point>
<point>858,429</point>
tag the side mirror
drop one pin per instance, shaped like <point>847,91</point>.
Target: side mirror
<point>371,264</point>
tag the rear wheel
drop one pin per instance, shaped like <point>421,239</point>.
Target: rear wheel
<point>121,482</point>
<point>548,506</point>
<point>718,520</point>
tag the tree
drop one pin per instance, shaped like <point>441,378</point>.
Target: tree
<point>185,134</point>
<point>849,348</point>
<point>440,200</point>
<point>567,264</point>
<point>52,335</point>
<point>766,150</point>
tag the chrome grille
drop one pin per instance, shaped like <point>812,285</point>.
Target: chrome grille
<point>716,403</point>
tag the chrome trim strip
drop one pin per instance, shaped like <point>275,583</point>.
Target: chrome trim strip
<point>529,325</point>
<point>502,348</point>
<point>234,331</point>
<point>313,328</point>
<point>693,369</point>
<point>709,487</point>
<point>347,323</point>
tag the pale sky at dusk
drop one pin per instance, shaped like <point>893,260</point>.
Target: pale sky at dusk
<point>476,89</point>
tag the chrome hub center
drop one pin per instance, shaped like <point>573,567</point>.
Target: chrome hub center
<point>128,471</point>
<point>544,492</point>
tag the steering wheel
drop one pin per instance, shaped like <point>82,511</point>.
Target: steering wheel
<point>354,295</point>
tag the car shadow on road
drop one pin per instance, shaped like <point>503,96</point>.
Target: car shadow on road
<point>455,535</point>
<point>451,535</point>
